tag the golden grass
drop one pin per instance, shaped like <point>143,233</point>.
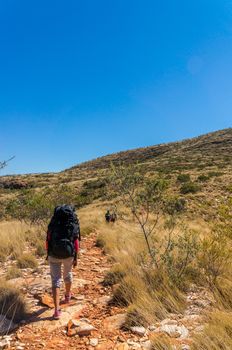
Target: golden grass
<point>16,237</point>
<point>161,342</point>
<point>12,303</point>
<point>217,335</point>
<point>12,238</point>
<point>150,296</point>
<point>27,260</point>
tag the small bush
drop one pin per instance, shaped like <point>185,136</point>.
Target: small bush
<point>203,178</point>
<point>183,178</point>
<point>214,173</point>
<point>189,187</point>
<point>27,261</point>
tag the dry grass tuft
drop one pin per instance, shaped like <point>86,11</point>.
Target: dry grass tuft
<point>12,303</point>
<point>161,342</point>
<point>217,335</point>
<point>27,260</point>
<point>13,272</point>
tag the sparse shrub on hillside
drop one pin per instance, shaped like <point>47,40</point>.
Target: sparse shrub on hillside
<point>37,207</point>
<point>214,173</point>
<point>214,257</point>
<point>27,260</point>
<point>93,189</point>
<point>148,202</point>
<point>183,178</point>
<point>189,187</point>
<point>95,184</point>
<point>203,178</point>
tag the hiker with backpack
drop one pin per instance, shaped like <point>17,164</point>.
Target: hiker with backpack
<point>107,216</point>
<point>63,237</point>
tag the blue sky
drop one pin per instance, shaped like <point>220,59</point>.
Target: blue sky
<point>84,78</point>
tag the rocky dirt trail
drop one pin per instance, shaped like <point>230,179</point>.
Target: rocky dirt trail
<point>89,322</point>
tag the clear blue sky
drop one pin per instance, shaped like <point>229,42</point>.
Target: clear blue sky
<point>84,78</point>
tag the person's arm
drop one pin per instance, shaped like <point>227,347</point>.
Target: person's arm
<point>48,237</point>
<point>76,248</point>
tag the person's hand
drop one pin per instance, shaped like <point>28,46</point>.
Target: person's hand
<point>74,263</point>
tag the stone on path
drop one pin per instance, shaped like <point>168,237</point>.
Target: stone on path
<point>45,321</point>
<point>80,328</point>
<point>4,344</point>
<point>115,322</point>
<point>174,331</point>
<point>93,342</point>
<point>47,300</point>
<point>138,330</point>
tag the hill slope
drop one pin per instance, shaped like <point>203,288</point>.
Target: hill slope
<point>205,161</point>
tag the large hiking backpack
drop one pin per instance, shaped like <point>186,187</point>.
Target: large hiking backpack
<point>64,229</point>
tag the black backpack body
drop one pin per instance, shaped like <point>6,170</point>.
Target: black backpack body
<point>64,230</point>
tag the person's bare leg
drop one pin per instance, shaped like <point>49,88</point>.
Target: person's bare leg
<point>56,297</point>
<point>68,288</point>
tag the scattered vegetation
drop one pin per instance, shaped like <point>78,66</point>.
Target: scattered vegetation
<point>12,303</point>
<point>13,272</point>
<point>183,178</point>
<point>217,334</point>
<point>27,260</point>
<point>189,187</point>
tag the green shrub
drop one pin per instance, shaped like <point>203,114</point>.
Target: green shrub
<point>183,178</point>
<point>189,187</point>
<point>214,173</point>
<point>27,261</point>
<point>203,178</point>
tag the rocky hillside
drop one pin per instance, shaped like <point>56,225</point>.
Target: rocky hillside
<point>197,168</point>
<point>199,151</point>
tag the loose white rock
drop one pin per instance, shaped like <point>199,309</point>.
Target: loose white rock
<point>93,342</point>
<point>4,344</point>
<point>138,330</point>
<point>85,330</point>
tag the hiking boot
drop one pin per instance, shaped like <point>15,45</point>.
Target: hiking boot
<point>57,314</point>
<point>67,298</point>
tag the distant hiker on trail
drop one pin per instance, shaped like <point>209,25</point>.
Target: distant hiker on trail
<point>107,216</point>
<point>113,217</point>
<point>62,244</point>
